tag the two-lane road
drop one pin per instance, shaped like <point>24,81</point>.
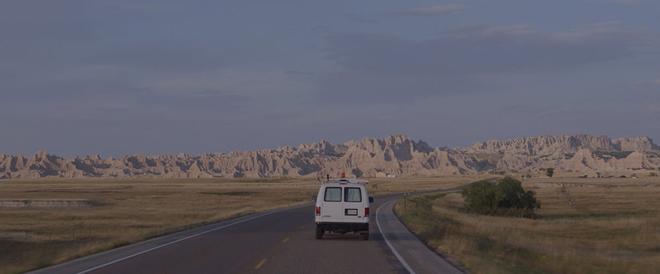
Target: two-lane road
<point>280,241</point>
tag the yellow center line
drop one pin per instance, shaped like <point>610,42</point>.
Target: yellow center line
<point>285,240</point>
<point>260,264</point>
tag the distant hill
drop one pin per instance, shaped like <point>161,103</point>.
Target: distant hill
<point>396,155</point>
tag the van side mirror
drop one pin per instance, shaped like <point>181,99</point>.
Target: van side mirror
<point>371,200</point>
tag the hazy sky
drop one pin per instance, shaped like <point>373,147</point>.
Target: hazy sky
<point>129,76</point>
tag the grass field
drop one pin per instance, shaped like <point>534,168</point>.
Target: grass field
<point>583,226</point>
<point>72,218</point>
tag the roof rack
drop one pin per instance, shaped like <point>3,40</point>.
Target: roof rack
<point>348,181</point>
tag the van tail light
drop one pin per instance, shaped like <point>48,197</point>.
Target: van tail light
<point>366,212</point>
<point>318,211</point>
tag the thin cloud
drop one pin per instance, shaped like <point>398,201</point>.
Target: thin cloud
<point>484,49</point>
<point>618,2</point>
<point>433,10</point>
<point>466,60</point>
<point>654,109</point>
<point>624,2</point>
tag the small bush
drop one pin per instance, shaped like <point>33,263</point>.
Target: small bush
<point>550,172</point>
<point>507,196</point>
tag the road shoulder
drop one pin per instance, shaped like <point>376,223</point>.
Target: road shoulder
<point>413,254</point>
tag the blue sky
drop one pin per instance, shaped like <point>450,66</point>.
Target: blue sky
<point>116,77</point>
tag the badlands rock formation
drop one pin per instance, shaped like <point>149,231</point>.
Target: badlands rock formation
<point>392,156</point>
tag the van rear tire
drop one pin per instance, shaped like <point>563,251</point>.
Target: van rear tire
<point>319,232</point>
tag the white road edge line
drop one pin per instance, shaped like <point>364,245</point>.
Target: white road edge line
<point>173,242</point>
<point>396,253</point>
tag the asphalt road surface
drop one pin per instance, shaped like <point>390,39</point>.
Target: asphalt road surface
<point>280,241</point>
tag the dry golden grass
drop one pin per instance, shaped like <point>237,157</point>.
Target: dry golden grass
<point>584,226</point>
<point>130,210</point>
<point>125,211</point>
<point>382,186</point>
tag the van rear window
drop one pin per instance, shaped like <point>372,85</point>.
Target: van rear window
<point>332,194</point>
<point>352,194</point>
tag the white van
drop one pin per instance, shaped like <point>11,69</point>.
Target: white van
<point>343,206</point>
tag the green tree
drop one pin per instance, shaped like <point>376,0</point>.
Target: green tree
<point>506,196</point>
<point>482,197</point>
<point>512,193</point>
<point>529,200</point>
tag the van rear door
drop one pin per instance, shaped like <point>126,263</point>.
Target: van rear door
<point>332,200</point>
<point>352,205</point>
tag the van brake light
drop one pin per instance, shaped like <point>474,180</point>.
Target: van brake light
<point>366,212</point>
<point>318,211</point>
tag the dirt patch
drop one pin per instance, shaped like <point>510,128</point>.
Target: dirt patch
<point>47,203</point>
<point>231,193</point>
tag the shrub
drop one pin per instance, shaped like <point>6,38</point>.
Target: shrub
<point>482,197</point>
<point>357,172</point>
<point>550,172</point>
<point>507,196</point>
<point>512,192</point>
